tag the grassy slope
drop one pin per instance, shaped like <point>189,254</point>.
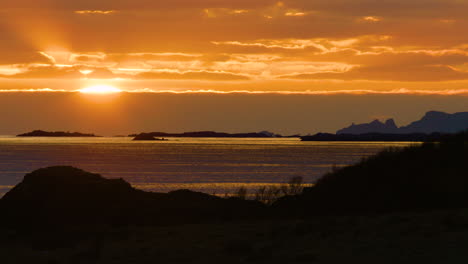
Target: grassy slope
<point>435,237</point>
<point>430,176</point>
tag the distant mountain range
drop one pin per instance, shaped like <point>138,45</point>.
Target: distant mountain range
<point>375,137</point>
<point>432,122</point>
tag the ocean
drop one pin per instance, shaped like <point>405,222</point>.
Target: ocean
<point>212,165</point>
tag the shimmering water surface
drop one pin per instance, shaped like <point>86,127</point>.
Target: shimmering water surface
<point>211,165</point>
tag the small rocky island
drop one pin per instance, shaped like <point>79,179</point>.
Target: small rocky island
<point>41,133</point>
<point>147,137</point>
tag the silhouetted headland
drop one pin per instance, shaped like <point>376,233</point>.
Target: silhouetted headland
<point>147,137</point>
<point>41,133</point>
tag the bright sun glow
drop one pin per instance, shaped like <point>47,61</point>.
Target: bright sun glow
<point>100,89</point>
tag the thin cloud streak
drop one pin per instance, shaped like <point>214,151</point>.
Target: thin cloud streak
<point>40,90</point>
<point>95,12</point>
<point>402,91</point>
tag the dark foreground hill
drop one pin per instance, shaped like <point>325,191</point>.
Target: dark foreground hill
<point>67,195</point>
<point>431,176</point>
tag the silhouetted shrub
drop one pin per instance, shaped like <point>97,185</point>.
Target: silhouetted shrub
<point>268,195</point>
<point>241,193</point>
<point>294,186</point>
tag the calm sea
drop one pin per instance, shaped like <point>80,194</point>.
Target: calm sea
<point>210,165</point>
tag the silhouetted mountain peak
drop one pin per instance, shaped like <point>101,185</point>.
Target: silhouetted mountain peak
<point>435,114</point>
<point>435,121</point>
<point>432,122</point>
<point>391,123</point>
<point>375,126</point>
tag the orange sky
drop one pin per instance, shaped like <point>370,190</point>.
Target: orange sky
<point>126,113</point>
<point>415,50</point>
<point>261,45</point>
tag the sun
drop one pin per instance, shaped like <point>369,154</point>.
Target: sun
<point>100,89</point>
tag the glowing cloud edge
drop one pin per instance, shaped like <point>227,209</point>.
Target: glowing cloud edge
<point>402,91</point>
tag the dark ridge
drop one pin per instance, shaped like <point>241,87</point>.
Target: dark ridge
<point>431,176</point>
<point>209,134</point>
<point>40,133</point>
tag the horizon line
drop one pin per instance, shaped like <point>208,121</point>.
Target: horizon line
<point>400,91</point>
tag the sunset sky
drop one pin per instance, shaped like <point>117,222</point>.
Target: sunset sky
<point>411,55</point>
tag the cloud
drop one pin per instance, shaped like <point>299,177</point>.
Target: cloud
<point>39,90</point>
<point>370,19</point>
<point>219,40</point>
<point>323,45</point>
<point>401,91</point>
<point>133,4</point>
<point>292,44</point>
<point>192,75</point>
<point>84,58</point>
<point>95,12</point>
<point>47,72</point>
<point>63,72</point>
<point>432,73</point>
<point>217,12</point>
<point>103,73</point>
<point>395,8</point>
<point>9,57</point>
<point>296,13</point>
